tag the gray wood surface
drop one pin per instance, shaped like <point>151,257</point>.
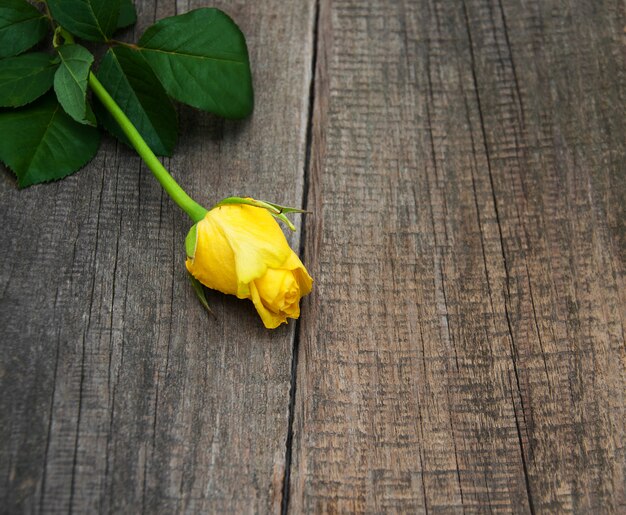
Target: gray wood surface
<point>463,349</point>
<point>119,394</point>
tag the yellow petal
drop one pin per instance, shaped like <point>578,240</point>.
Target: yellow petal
<point>270,320</point>
<point>214,261</point>
<point>305,281</point>
<point>278,290</point>
<point>255,238</point>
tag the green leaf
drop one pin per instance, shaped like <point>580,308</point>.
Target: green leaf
<point>70,82</point>
<point>41,143</point>
<point>202,60</point>
<point>95,20</point>
<point>25,78</point>
<point>21,27</point>
<point>133,85</point>
<point>128,14</point>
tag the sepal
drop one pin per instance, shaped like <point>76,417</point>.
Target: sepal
<point>191,241</point>
<point>276,210</point>
<point>199,290</point>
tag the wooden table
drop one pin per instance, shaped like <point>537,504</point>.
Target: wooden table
<point>463,349</point>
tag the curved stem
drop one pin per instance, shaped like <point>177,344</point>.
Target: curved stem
<point>195,211</point>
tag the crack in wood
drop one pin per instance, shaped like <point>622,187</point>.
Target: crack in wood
<point>298,328</point>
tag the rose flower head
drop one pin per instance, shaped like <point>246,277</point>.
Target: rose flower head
<point>239,249</point>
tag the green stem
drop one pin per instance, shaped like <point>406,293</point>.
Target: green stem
<point>195,211</point>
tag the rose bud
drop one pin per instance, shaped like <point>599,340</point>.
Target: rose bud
<point>239,249</point>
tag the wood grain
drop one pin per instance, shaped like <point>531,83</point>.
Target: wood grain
<point>119,394</point>
<point>464,347</point>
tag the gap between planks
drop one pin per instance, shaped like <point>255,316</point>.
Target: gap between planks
<point>298,328</point>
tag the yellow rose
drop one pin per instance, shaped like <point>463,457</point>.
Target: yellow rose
<point>241,250</point>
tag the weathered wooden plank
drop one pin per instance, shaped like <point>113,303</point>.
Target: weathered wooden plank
<point>554,134</point>
<point>464,347</point>
<point>118,393</point>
